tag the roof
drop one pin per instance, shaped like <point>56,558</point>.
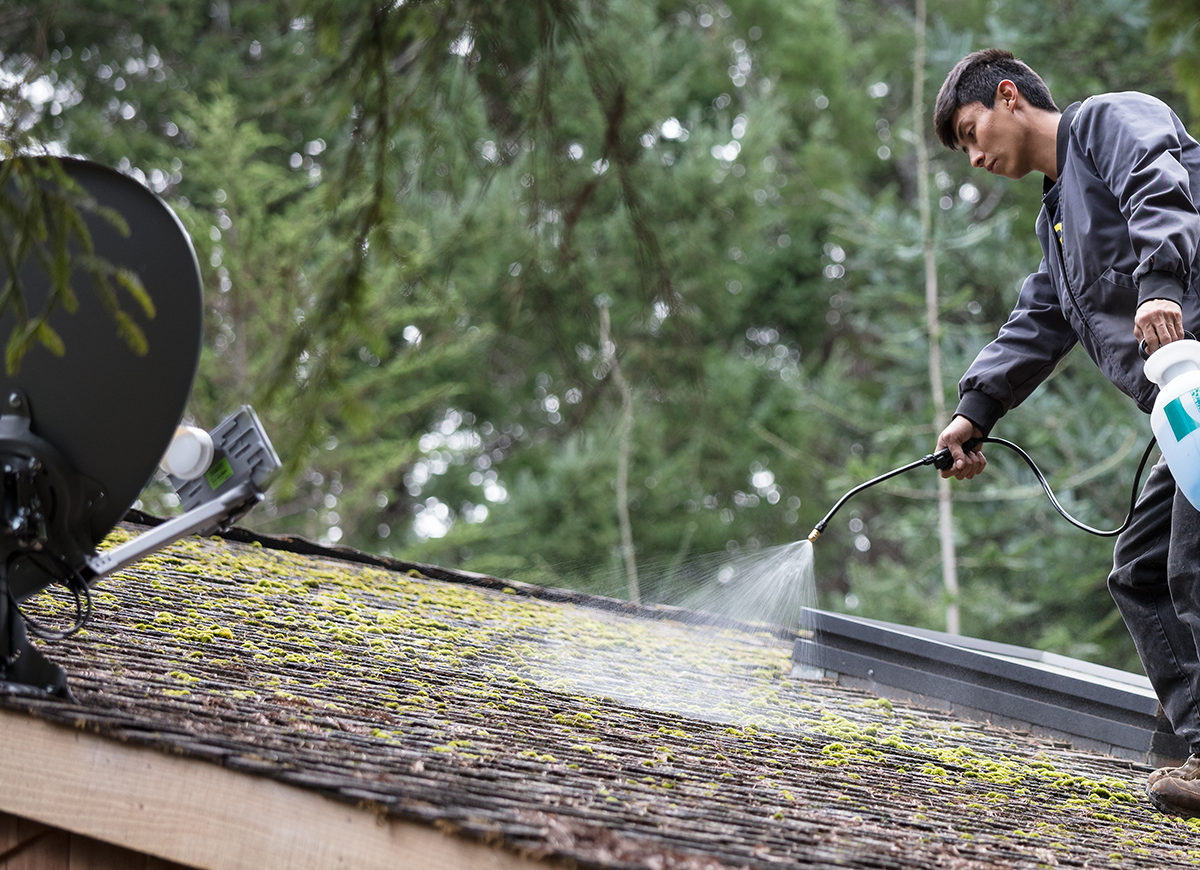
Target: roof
<point>562,726</point>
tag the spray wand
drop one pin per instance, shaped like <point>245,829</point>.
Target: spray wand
<point>942,460</point>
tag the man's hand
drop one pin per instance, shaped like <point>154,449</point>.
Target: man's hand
<point>964,466</point>
<point>1158,322</point>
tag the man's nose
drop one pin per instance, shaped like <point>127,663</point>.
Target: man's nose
<point>976,156</point>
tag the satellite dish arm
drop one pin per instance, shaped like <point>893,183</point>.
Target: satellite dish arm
<point>210,517</point>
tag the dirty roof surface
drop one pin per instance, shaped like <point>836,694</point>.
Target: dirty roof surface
<point>562,729</point>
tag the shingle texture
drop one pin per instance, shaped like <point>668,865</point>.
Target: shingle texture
<point>568,730</point>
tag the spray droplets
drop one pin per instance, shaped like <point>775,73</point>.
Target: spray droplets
<point>766,586</point>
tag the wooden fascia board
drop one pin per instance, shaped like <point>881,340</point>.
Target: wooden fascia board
<point>205,816</point>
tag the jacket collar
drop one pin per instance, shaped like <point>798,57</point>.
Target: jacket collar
<point>1060,145</point>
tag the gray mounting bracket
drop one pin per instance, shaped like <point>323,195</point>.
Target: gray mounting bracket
<point>243,461</point>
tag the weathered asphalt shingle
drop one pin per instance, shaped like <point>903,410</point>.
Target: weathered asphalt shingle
<point>569,730</point>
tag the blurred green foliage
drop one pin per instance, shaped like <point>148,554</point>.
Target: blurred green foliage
<point>406,215</point>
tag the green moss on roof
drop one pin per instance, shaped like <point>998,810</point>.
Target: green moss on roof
<point>536,722</point>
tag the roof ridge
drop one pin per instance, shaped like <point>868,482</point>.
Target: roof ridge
<point>306,547</point>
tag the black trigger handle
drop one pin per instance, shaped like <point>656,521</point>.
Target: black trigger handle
<point>943,460</point>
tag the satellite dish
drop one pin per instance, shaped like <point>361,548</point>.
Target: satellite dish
<point>81,433</point>
<point>109,412</point>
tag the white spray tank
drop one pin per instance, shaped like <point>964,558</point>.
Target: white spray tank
<point>1175,367</point>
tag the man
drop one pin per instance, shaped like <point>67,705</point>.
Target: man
<point>1120,238</point>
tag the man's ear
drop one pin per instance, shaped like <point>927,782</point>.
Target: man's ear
<point>1007,94</point>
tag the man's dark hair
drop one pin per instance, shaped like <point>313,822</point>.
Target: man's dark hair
<point>975,79</point>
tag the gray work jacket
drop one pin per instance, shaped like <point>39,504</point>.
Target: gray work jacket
<point>1119,227</point>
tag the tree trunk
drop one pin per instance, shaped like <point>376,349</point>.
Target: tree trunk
<point>610,355</point>
<point>945,505</point>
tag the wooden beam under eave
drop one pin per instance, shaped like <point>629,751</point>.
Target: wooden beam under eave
<point>205,816</point>
<point>28,845</point>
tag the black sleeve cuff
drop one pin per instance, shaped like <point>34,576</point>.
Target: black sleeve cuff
<point>1160,285</point>
<point>981,409</point>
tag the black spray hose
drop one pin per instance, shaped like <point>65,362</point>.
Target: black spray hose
<point>942,460</point>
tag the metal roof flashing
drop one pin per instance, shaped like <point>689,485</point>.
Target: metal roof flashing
<point>1091,707</point>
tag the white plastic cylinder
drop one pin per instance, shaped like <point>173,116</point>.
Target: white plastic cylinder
<point>190,453</point>
<point>1175,419</point>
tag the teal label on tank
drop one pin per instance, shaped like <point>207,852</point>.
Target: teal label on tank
<point>1182,423</point>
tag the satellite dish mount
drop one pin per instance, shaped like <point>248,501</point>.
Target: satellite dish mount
<point>82,431</point>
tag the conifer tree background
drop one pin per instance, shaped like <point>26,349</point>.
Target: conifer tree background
<point>408,215</point>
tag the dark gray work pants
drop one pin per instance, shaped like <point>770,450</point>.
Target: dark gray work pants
<point>1156,584</point>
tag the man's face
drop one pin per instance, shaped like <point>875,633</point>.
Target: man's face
<point>993,139</point>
